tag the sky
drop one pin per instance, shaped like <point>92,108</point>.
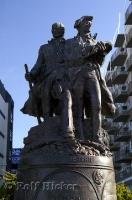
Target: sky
<point>26,24</point>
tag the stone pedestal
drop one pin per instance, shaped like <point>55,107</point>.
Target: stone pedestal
<point>56,168</point>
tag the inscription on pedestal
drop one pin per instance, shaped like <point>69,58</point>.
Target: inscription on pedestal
<point>75,187</point>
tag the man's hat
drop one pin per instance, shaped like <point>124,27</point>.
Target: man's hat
<point>81,20</point>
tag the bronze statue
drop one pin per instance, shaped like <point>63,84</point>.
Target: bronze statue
<point>67,72</point>
<point>84,56</point>
<point>67,155</point>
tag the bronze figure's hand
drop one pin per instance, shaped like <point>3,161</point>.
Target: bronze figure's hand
<point>108,46</point>
<point>27,76</point>
<point>101,46</point>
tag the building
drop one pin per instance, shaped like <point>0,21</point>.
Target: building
<point>6,128</point>
<point>119,80</point>
<point>16,153</point>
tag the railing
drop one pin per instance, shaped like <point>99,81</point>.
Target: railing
<point>128,12</point>
<point>122,89</point>
<point>106,123</point>
<point>118,71</point>
<point>119,51</point>
<point>119,40</point>
<point>123,133</point>
<point>129,108</point>
<point>130,88</point>
<point>114,146</point>
<point>122,113</point>
<point>125,151</point>
<point>108,76</point>
<point>126,172</point>
<point>129,38</point>
<point>122,108</point>
<point>116,156</point>
<point>129,63</point>
<point>113,128</point>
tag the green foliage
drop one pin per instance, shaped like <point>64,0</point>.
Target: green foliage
<point>8,187</point>
<point>123,193</point>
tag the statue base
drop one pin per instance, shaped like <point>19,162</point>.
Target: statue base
<point>56,168</point>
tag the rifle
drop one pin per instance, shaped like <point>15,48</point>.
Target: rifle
<point>31,89</point>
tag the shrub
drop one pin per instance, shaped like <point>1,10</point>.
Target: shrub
<point>8,187</point>
<point>123,193</point>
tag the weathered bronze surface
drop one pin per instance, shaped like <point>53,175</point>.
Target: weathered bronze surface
<point>67,156</point>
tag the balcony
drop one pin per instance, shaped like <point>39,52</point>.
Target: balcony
<point>119,57</point>
<point>128,15</point>
<point>106,123</point>
<point>114,146</point>
<point>130,110</point>
<point>111,127</point>
<point>123,174</point>
<point>124,156</point>
<point>124,134</point>
<point>119,40</point>
<point>130,88</point>
<point>129,152</point>
<point>108,78</point>
<point>121,114</point>
<point>129,39</point>
<point>129,63</point>
<point>117,157</point>
<point>117,165</point>
<point>121,94</point>
<point>113,130</point>
<point>120,75</point>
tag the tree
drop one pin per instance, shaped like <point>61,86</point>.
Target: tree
<point>8,187</point>
<point>123,193</point>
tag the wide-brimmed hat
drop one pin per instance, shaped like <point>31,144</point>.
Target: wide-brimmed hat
<point>81,20</point>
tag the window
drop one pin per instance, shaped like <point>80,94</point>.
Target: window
<point>121,49</point>
<point>1,134</point>
<point>1,155</point>
<point>2,114</point>
<point>122,69</point>
<point>124,87</point>
<point>124,107</point>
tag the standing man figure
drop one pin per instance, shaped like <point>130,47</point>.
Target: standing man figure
<point>52,89</point>
<point>50,58</point>
<point>83,55</point>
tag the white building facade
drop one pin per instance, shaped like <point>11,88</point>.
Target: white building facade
<point>6,129</point>
<point>119,80</point>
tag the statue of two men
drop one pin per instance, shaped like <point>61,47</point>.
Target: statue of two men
<point>67,80</point>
